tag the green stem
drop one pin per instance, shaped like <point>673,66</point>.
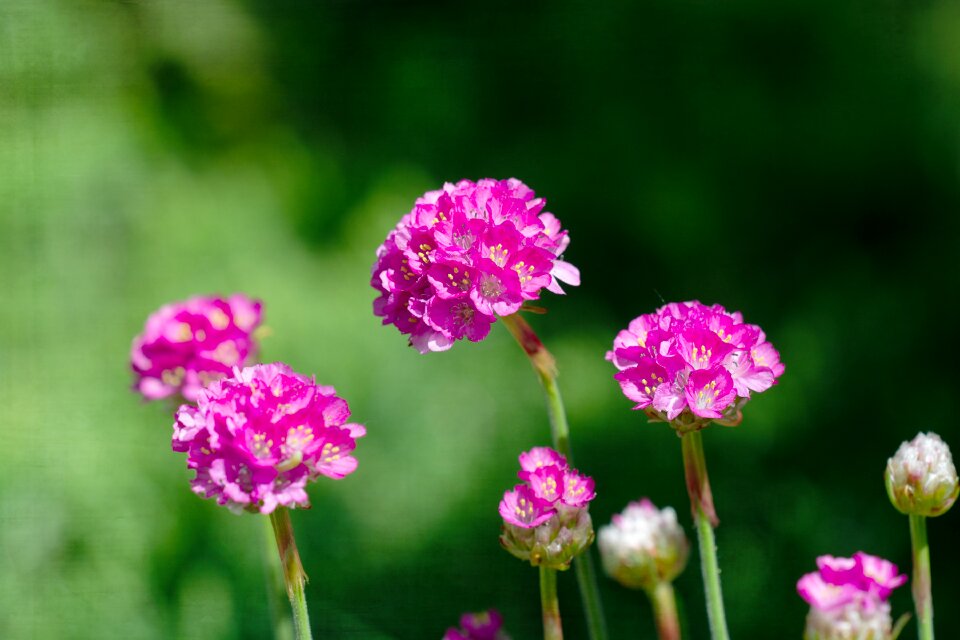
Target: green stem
<point>552,628</point>
<point>282,624</point>
<point>665,611</point>
<point>922,597</point>
<point>293,573</point>
<point>705,518</point>
<point>545,366</point>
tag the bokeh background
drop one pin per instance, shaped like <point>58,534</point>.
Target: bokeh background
<point>796,160</point>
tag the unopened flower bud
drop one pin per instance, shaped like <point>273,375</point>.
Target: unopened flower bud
<point>851,622</point>
<point>643,546</point>
<point>553,544</point>
<point>921,478</point>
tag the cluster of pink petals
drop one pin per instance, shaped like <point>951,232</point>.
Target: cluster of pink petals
<point>688,356</point>
<point>465,254</point>
<point>863,581</point>
<point>256,438</point>
<point>485,625</point>
<point>550,486</point>
<point>187,345</point>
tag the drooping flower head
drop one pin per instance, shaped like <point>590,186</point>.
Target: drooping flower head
<point>545,518</point>
<point>256,438</point>
<point>848,598</point>
<point>643,546</point>
<point>688,364</point>
<point>187,345</point>
<point>484,625</point>
<point>921,478</point>
<point>465,254</point>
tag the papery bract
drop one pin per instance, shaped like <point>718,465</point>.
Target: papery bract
<point>256,438</point>
<point>187,345</point>
<point>464,255</point>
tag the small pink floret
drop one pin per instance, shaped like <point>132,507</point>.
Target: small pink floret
<point>863,581</point>
<point>464,255</point>
<point>187,345</point>
<point>550,485</point>
<point>256,438</point>
<point>483,625</point>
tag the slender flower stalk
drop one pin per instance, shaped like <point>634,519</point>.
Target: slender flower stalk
<point>665,611</point>
<point>705,519</point>
<point>276,586</point>
<point>922,598</point>
<point>922,482</point>
<point>552,627</point>
<point>293,574</point>
<point>544,364</point>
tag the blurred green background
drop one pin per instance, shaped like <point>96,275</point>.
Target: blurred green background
<point>797,161</point>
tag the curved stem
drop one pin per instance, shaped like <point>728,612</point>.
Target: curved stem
<point>922,596</point>
<point>293,573</point>
<point>705,518</point>
<point>545,366</point>
<point>552,628</point>
<point>282,624</point>
<point>665,611</point>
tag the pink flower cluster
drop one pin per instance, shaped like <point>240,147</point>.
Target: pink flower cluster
<point>256,438</point>
<point>696,358</point>
<point>863,583</point>
<point>485,625</point>
<point>550,486</point>
<point>465,254</point>
<point>187,345</point>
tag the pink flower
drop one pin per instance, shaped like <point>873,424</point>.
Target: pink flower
<point>848,596</point>
<point>484,625</point>
<point>545,519</point>
<point>688,363</point>
<point>465,254</point>
<point>187,345</point>
<point>256,438</point>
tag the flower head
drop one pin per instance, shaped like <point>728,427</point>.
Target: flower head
<point>545,520</point>
<point>465,254</point>
<point>484,625</point>
<point>689,364</point>
<point>848,598</point>
<point>256,438</point>
<point>643,546</point>
<point>921,478</point>
<point>187,345</point>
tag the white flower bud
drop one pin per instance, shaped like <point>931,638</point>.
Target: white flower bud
<point>643,546</point>
<point>921,478</point>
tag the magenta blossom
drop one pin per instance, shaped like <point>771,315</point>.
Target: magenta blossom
<point>545,519</point>
<point>485,625</point>
<point>848,597</point>
<point>187,345</point>
<point>256,438</point>
<point>689,363</point>
<point>465,254</point>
